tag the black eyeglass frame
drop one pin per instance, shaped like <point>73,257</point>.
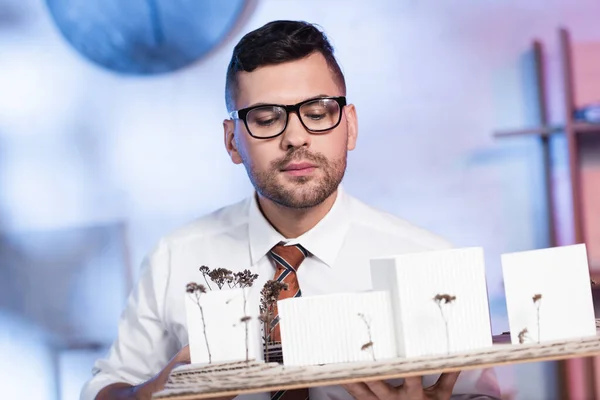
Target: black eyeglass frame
<point>243,113</point>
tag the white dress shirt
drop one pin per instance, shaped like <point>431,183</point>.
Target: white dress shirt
<point>152,329</point>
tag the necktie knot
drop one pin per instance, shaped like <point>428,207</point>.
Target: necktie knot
<point>289,257</point>
<point>287,260</point>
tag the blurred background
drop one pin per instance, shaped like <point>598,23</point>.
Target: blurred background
<point>111,136</point>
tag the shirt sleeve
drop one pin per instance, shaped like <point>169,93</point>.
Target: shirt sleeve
<point>143,345</point>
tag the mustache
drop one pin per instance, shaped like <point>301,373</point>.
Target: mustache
<point>300,154</point>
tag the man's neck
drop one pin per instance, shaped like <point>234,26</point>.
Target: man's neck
<point>294,222</point>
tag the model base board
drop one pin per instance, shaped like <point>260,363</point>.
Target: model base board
<point>193,382</point>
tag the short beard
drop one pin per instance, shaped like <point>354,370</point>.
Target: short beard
<point>301,196</point>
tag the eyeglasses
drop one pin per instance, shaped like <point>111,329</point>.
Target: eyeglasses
<point>268,121</point>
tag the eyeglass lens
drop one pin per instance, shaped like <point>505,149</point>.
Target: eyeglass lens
<point>318,115</point>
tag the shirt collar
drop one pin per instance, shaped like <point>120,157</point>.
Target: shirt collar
<point>323,241</point>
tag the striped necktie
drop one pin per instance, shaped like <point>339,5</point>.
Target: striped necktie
<point>287,261</point>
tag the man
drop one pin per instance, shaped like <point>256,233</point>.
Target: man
<point>291,127</point>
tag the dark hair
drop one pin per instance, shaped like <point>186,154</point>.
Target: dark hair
<point>275,43</point>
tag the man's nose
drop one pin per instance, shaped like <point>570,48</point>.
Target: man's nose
<point>295,134</point>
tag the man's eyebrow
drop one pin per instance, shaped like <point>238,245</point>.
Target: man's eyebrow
<point>319,96</point>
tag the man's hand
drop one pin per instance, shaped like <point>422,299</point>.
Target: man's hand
<point>123,391</point>
<point>158,383</point>
<point>411,389</point>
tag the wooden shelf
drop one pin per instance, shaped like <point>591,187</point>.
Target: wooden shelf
<point>534,131</point>
<point>586,127</point>
<point>578,128</point>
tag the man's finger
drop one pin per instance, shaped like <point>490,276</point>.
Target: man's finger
<point>359,391</point>
<point>381,389</point>
<point>413,386</point>
<point>183,356</point>
<point>446,381</point>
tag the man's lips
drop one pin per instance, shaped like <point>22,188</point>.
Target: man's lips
<point>298,166</point>
<point>299,169</point>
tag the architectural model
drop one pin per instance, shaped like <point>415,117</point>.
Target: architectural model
<point>439,300</point>
<point>222,316</point>
<point>431,303</point>
<point>548,294</point>
<point>337,328</point>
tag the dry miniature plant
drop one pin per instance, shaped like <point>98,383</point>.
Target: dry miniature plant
<point>369,344</point>
<point>268,300</point>
<point>244,320</point>
<point>537,301</point>
<point>205,273</point>
<point>196,291</point>
<point>523,336</point>
<point>243,280</point>
<point>440,300</point>
<point>220,277</point>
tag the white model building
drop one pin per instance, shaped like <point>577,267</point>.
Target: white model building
<point>336,328</point>
<point>548,294</point>
<point>439,300</point>
<point>226,325</point>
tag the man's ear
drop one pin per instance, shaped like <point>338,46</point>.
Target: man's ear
<point>230,144</point>
<point>352,122</point>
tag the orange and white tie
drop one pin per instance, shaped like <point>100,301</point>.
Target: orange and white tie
<point>287,261</point>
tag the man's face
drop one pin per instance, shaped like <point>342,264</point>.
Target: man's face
<point>297,169</point>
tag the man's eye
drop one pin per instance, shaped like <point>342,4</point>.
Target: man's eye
<point>315,116</point>
<point>266,122</point>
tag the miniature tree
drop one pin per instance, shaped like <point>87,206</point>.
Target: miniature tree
<point>442,299</point>
<point>523,336</point>
<point>196,291</point>
<point>268,300</point>
<point>220,277</point>
<point>243,280</point>
<point>205,273</point>
<point>369,344</point>
<point>537,301</point>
